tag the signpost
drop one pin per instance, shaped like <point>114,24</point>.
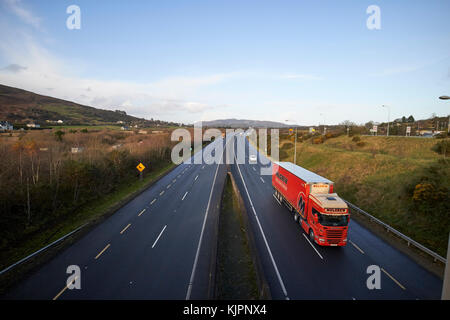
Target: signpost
<point>141,168</point>
<point>408,131</point>
<point>374,130</point>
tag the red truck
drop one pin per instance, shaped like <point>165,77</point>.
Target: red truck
<point>311,198</point>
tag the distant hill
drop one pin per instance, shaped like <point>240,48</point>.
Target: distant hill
<point>21,106</point>
<point>242,123</point>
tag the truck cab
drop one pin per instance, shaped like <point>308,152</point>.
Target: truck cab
<point>327,220</point>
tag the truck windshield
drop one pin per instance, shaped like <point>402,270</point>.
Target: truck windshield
<point>332,220</point>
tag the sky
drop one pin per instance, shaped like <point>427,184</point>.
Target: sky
<point>309,62</point>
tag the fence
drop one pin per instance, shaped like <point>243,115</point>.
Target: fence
<point>398,234</point>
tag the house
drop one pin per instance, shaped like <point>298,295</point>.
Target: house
<point>142,132</point>
<point>4,126</point>
<point>60,121</point>
<point>119,122</point>
<point>33,125</point>
<point>77,149</point>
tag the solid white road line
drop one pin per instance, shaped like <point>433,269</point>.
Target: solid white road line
<point>280,280</point>
<point>159,236</point>
<point>313,246</point>
<point>194,267</point>
<point>357,248</point>
<point>393,279</point>
<point>184,195</point>
<point>140,213</point>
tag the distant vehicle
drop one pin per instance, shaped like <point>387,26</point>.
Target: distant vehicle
<point>319,211</point>
<point>252,158</point>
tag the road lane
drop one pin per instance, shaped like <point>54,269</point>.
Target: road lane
<point>341,274</point>
<point>130,264</point>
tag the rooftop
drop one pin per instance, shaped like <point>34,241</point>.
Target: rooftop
<point>302,173</point>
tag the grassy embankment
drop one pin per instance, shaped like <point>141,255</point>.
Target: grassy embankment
<point>236,274</point>
<point>399,180</point>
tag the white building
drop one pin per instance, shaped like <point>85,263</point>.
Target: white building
<point>77,149</point>
<point>4,126</point>
<point>33,125</point>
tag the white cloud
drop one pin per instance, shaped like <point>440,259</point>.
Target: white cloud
<point>301,76</point>
<point>168,98</point>
<point>14,68</point>
<point>24,14</point>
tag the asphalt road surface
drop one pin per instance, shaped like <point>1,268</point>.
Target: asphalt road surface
<point>297,269</point>
<point>149,249</point>
<point>160,246</point>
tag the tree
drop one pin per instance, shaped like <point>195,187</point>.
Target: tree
<point>411,119</point>
<point>347,123</point>
<point>59,134</point>
<point>403,119</point>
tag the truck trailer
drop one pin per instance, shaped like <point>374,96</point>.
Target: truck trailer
<point>312,201</point>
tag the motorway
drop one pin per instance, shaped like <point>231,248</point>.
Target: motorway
<point>297,269</point>
<point>161,246</point>
<point>148,249</point>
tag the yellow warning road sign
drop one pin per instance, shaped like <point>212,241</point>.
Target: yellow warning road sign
<point>140,167</point>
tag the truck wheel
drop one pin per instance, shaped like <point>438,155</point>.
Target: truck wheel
<point>311,235</point>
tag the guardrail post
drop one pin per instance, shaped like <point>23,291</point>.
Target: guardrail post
<point>446,283</point>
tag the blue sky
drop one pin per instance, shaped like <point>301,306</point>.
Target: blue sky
<point>185,61</point>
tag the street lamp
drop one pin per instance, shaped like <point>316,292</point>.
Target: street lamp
<point>324,128</point>
<point>295,142</point>
<point>448,121</point>
<point>389,115</point>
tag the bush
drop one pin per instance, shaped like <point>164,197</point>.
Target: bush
<point>442,147</point>
<point>356,139</point>
<point>360,143</point>
<point>59,134</point>
<point>287,146</point>
<point>318,140</point>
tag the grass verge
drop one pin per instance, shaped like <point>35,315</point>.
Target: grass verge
<point>236,273</point>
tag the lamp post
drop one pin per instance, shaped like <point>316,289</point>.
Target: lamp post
<point>448,121</point>
<point>389,115</point>
<point>446,284</point>
<point>295,142</point>
<point>324,128</point>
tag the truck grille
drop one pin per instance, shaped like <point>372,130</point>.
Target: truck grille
<point>334,236</point>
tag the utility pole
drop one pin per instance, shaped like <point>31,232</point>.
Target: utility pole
<point>295,143</point>
<point>389,116</point>
<point>446,283</point>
